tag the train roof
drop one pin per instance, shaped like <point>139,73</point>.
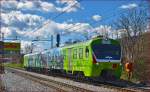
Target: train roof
<point>77,44</point>
<point>87,42</point>
<point>31,54</point>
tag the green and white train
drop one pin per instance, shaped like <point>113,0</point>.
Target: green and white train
<point>93,58</point>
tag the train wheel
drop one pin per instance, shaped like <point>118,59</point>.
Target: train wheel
<point>80,76</point>
<point>108,75</point>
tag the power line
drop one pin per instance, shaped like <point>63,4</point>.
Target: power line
<point>53,19</point>
<point>56,16</point>
<point>92,23</point>
<point>59,15</point>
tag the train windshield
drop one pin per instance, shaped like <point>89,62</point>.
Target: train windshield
<point>107,51</point>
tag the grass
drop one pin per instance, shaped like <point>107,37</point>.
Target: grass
<point>138,74</point>
<point>14,65</point>
<point>124,76</point>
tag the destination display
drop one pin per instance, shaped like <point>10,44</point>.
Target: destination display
<point>11,46</point>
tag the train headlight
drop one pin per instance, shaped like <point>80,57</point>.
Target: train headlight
<point>120,64</point>
<point>114,66</point>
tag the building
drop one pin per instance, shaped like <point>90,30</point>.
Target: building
<point>10,51</point>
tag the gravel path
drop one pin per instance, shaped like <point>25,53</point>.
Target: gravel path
<point>15,83</point>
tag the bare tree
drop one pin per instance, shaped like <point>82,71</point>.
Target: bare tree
<point>133,24</point>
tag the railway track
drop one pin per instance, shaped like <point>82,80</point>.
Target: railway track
<point>66,87</point>
<point>2,87</point>
<point>60,86</point>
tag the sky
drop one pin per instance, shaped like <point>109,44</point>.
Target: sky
<point>39,19</point>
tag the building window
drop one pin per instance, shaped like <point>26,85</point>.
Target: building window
<point>75,54</point>
<point>80,53</point>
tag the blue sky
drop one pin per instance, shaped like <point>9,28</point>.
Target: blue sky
<point>22,18</point>
<point>104,8</point>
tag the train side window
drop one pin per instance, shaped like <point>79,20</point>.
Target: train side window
<point>75,54</point>
<point>64,54</point>
<point>53,57</point>
<point>80,53</point>
<point>87,52</point>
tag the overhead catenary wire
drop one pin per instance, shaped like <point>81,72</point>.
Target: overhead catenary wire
<point>49,21</point>
<point>78,25</point>
<point>75,26</point>
<point>92,23</point>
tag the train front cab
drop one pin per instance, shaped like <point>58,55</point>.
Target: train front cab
<point>106,56</point>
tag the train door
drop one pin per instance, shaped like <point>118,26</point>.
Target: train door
<point>69,59</point>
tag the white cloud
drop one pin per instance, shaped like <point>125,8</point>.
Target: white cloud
<point>71,5</point>
<point>48,7</point>
<point>25,5</point>
<point>16,22</point>
<point>53,28</point>
<point>9,4</point>
<point>6,31</point>
<point>96,17</point>
<point>103,30</point>
<point>69,20</point>
<point>37,6</point>
<point>129,6</point>
<point>74,31</point>
<point>40,6</point>
<point>20,20</point>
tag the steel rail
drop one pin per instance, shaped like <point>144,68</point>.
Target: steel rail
<point>64,87</point>
<point>60,86</point>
